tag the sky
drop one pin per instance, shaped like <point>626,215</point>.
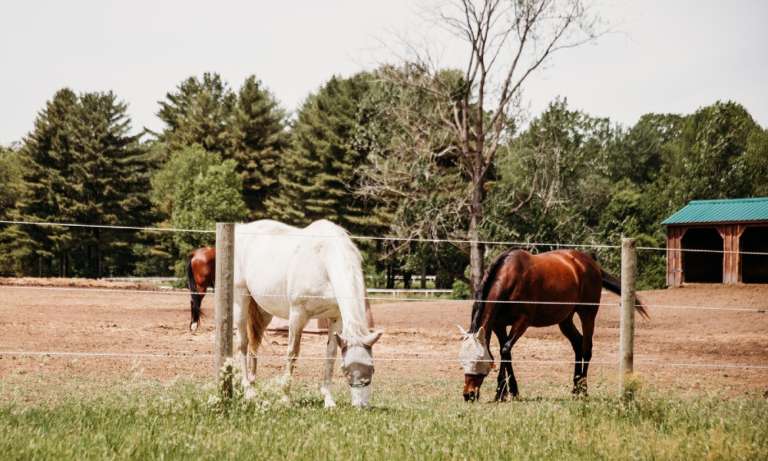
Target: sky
<point>659,56</point>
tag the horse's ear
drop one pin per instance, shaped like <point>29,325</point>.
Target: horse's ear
<point>372,337</point>
<point>340,340</point>
<point>462,330</point>
<point>480,333</point>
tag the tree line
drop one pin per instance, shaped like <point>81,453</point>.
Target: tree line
<point>366,152</point>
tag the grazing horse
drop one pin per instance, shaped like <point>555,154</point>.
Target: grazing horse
<point>298,274</point>
<point>545,289</point>
<point>201,274</point>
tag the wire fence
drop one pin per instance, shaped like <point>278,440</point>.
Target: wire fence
<point>430,358</point>
<point>435,302</point>
<point>526,244</point>
<point>401,357</point>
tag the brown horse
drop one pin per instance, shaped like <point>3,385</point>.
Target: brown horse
<point>201,273</point>
<point>545,289</point>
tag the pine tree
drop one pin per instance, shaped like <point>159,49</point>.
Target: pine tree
<point>114,173</point>
<point>320,170</point>
<point>199,112</point>
<point>48,193</point>
<point>259,139</point>
<point>82,166</point>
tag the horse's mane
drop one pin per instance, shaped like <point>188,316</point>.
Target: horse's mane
<point>485,287</point>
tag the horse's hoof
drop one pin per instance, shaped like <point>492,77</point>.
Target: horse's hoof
<point>250,393</point>
<point>330,404</point>
<point>193,327</point>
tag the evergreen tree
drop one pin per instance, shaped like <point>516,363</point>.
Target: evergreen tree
<point>320,171</point>
<point>199,112</point>
<point>248,127</point>
<point>258,140</point>
<point>82,166</point>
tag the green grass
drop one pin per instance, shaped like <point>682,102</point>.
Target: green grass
<point>417,421</point>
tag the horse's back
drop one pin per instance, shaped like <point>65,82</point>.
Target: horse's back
<point>282,265</point>
<point>562,276</point>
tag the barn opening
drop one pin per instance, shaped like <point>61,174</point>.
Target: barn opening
<point>754,268</point>
<point>702,267</point>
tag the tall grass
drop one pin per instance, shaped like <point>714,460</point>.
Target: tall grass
<point>417,421</point>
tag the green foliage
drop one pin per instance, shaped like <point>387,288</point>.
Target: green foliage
<point>572,178</point>
<point>196,189</point>
<point>198,112</point>
<point>247,127</point>
<point>80,164</point>
<point>320,171</point>
<point>187,420</point>
<point>10,194</point>
<point>461,290</point>
<point>259,140</point>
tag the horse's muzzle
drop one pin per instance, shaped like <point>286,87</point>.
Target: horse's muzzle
<point>472,396</point>
<point>472,385</point>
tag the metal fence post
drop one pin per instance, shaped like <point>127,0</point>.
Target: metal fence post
<point>627,323</point>
<point>224,297</point>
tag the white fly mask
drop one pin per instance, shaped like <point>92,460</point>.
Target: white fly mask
<point>474,356</point>
<point>357,365</point>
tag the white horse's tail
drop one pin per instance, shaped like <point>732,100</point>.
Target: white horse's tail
<point>343,263</point>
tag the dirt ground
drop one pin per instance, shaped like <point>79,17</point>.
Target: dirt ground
<point>58,331</point>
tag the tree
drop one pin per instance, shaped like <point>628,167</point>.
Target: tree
<point>320,171</point>
<point>81,165</point>
<point>10,193</point>
<point>412,174</point>
<point>552,180</point>
<point>248,127</point>
<point>506,42</point>
<point>259,140</point>
<point>195,189</point>
<point>199,112</point>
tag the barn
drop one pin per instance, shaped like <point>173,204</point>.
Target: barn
<point>732,230</point>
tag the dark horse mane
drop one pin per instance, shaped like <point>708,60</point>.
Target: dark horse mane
<point>481,295</point>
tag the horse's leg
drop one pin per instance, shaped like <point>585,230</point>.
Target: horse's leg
<point>297,320</point>
<point>502,386</point>
<point>588,329</point>
<point>330,359</point>
<point>242,299</point>
<point>569,330</point>
<point>515,332</point>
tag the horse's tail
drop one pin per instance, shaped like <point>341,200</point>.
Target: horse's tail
<point>192,285</point>
<point>612,284</point>
<point>255,326</point>
<point>344,267</point>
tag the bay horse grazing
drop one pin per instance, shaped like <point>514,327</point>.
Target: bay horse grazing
<point>546,289</point>
<point>298,274</point>
<point>201,274</point>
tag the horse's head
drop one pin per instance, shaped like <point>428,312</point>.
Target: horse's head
<point>476,360</point>
<point>357,365</point>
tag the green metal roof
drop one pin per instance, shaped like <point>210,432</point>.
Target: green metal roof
<point>710,211</point>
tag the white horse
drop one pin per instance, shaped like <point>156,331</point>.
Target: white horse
<point>298,274</point>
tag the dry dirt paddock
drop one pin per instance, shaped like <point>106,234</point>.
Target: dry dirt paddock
<point>109,332</point>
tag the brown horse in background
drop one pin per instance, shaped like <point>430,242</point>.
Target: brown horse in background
<point>550,287</point>
<point>201,274</point>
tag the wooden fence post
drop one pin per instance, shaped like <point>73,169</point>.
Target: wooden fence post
<point>224,297</point>
<point>627,323</point>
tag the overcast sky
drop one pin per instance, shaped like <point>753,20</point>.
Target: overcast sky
<point>665,56</point>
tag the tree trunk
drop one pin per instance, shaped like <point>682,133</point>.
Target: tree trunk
<point>476,249</point>
<point>423,282</point>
